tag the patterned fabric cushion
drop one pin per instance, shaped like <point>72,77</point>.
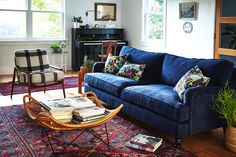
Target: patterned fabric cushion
<point>32,60</point>
<point>133,71</point>
<point>41,77</point>
<point>193,78</point>
<point>114,63</point>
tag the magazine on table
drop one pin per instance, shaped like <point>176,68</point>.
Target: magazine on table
<point>145,142</point>
<point>90,111</point>
<point>67,104</point>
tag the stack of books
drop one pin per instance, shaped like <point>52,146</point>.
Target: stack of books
<point>81,116</point>
<point>61,109</point>
<point>145,142</point>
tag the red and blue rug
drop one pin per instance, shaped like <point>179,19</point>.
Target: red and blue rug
<point>5,88</point>
<point>20,136</point>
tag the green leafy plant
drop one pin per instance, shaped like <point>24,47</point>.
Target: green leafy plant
<point>58,47</point>
<point>88,63</point>
<point>77,19</point>
<point>225,105</point>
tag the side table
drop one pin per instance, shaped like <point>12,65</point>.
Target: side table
<point>81,74</point>
<point>63,59</point>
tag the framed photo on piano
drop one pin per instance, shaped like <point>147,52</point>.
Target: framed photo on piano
<point>105,11</point>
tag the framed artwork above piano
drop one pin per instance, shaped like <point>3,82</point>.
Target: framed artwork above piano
<point>88,42</point>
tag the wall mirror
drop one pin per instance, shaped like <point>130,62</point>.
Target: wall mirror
<point>105,11</point>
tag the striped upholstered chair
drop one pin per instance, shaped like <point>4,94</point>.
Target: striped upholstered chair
<point>33,70</point>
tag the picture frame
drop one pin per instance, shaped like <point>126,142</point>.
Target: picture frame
<point>105,11</point>
<point>187,10</point>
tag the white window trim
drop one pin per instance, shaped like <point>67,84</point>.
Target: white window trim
<point>29,24</point>
<point>144,41</point>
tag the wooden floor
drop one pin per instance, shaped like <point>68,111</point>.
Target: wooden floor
<point>208,144</point>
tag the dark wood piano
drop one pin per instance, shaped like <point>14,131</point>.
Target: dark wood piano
<point>88,42</point>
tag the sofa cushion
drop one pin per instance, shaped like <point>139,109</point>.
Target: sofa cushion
<point>133,71</point>
<point>161,99</point>
<point>111,83</point>
<point>152,60</point>
<point>193,78</point>
<point>174,67</point>
<point>114,63</point>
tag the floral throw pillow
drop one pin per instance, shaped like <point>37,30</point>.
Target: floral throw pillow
<point>193,78</point>
<point>133,71</point>
<point>114,63</point>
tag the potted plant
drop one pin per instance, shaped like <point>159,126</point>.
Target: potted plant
<point>76,21</point>
<point>225,105</point>
<point>58,47</point>
<point>87,65</point>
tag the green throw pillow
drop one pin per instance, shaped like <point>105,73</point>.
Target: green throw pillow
<point>114,63</point>
<point>133,71</point>
<point>193,78</point>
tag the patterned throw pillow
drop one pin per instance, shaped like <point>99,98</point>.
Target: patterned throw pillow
<point>133,71</point>
<point>114,63</point>
<point>193,78</point>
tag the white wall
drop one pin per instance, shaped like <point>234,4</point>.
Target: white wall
<point>73,8</point>
<point>198,44</point>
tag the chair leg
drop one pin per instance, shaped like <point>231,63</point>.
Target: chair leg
<point>13,82</point>
<point>44,88</point>
<point>29,84</point>
<point>63,88</point>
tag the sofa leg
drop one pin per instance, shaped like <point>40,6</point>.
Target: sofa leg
<point>178,143</point>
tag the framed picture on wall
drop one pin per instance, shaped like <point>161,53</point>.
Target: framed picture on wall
<point>187,10</point>
<point>105,11</point>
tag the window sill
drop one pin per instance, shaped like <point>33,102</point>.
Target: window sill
<point>28,42</point>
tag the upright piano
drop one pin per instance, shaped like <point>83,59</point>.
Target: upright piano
<point>88,42</point>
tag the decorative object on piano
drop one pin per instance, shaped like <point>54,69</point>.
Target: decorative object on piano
<point>77,21</point>
<point>105,11</point>
<point>96,26</point>
<point>58,47</point>
<point>110,25</point>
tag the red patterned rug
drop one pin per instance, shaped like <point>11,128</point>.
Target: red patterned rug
<point>5,88</point>
<point>19,136</point>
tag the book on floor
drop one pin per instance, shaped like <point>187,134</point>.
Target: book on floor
<point>145,142</point>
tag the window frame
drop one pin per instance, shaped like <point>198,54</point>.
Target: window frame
<point>145,13</point>
<point>29,23</point>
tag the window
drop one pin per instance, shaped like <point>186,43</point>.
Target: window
<point>31,19</point>
<point>154,20</point>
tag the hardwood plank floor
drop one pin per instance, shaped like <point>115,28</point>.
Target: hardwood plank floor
<point>207,144</point>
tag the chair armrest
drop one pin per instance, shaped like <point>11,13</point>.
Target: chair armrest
<point>55,67</point>
<point>201,116</point>
<point>20,70</point>
<point>98,67</point>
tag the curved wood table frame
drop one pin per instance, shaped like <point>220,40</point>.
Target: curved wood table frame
<point>35,112</point>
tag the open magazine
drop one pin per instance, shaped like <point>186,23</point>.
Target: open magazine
<point>67,104</point>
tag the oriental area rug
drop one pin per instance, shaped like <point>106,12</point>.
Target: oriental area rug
<point>20,136</point>
<point>5,88</point>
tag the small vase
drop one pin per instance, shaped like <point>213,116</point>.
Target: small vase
<point>75,24</point>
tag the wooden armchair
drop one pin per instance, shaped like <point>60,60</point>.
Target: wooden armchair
<point>107,48</point>
<point>33,70</point>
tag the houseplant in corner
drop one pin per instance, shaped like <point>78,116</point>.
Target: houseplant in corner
<point>225,105</point>
<point>87,65</point>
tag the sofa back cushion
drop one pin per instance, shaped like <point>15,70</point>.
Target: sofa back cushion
<point>174,67</point>
<point>152,60</point>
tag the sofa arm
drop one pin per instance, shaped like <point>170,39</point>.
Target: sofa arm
<point>98,67</point>
<point>201,116</point>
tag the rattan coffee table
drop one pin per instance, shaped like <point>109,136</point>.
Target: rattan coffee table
<point>46,121</point>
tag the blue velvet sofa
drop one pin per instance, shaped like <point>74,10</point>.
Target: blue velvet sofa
<point>152,99</point>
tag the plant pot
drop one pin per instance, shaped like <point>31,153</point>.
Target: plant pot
<point>85,70</point>
<point>75,24</point>
<point>230,138</point>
